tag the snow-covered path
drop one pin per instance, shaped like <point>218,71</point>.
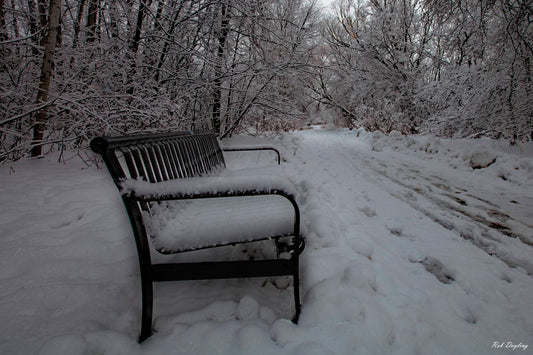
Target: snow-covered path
<point>398,261</point>
<point>491,214</point>
<point>422,279</point>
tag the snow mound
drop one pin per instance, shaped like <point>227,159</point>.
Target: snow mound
<point>490,157</point>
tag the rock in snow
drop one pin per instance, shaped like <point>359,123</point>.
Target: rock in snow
<point>481,160</point>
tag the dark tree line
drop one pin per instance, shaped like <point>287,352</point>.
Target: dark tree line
<point>72,69</point>
<point>137,65</point>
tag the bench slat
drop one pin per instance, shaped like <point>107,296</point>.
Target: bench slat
<point>183,156</point>
<point>176,163</point>
<point>130,163</point>
<point>155,164</point>
<point>169,164</point>
<point>194,156</point>
<point>139,166</point>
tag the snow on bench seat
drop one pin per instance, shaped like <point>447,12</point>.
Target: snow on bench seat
<point>183,225</point>
<point>177,225</point>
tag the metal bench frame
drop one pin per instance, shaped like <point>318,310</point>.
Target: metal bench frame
<point>167,156</point>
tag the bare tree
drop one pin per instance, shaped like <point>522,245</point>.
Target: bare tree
<point>46,73</point>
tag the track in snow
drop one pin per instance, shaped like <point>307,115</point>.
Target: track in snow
<point>461,207</point>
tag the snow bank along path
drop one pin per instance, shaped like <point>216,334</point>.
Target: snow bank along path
<point>405,255</point>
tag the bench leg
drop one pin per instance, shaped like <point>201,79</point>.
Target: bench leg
<point>296,284</point>
<point>147,308</point>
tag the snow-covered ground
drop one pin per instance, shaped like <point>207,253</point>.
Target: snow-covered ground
<point>409,251</point>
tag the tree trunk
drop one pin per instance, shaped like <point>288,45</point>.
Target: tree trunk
<point>138,28</point>
<point>91,20</point>
<point>166,45</point>
<point>217,94</point>
<point>134,46</point>
<point>34,27</point>
<point>77,24</point>
<point>3,34</point>
<point>41,8</point>
<point>46,73</point>
<point>112,13</point>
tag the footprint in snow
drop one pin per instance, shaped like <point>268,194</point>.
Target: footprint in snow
<point>395,226</point>
<point>67,223</point>
<point>435,267</point>
<point>366,205</point>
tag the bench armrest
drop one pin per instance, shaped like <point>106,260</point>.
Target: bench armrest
<point>252,148</point>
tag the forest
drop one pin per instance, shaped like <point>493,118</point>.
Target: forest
<point>74,69</point>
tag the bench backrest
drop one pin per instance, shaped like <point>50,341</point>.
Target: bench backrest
<point>160,157</point>
<point>155,158</point>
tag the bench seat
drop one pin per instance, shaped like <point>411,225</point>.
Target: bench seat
<point>184,225</point>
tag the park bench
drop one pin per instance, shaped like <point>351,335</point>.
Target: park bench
<point>180,198</point>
